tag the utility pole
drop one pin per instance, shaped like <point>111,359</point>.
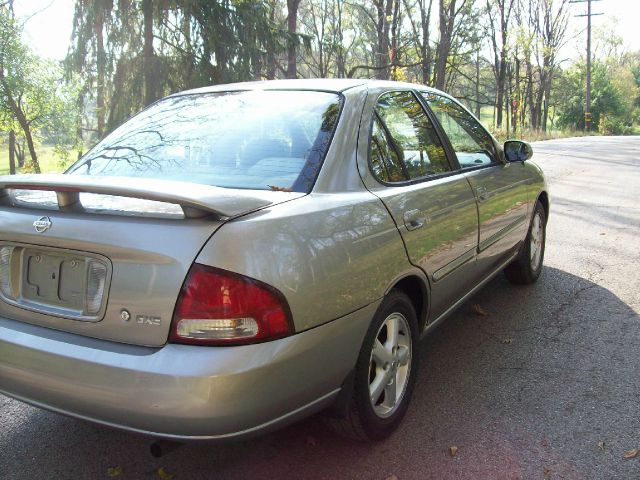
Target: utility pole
<point>587,108</point>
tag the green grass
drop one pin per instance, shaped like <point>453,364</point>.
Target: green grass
<point>49,161</point>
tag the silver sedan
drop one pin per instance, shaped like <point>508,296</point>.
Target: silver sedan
<point>238,257</point>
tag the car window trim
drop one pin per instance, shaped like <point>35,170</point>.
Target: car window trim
<point>495,158</point>
<point>455,170</point>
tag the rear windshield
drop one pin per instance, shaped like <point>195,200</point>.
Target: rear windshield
<point>250,139</point>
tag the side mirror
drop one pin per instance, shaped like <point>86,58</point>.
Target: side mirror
<point>517,151</point>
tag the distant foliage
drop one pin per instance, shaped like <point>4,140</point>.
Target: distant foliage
<point>129,53</point>
<point>35,103</point>
<point>614,94</point>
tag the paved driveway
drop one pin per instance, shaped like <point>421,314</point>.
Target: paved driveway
<point>546,385</point>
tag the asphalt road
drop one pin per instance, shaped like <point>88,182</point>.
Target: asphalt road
<point>547,385</point>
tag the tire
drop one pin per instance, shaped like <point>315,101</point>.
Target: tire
<point>382,366</point>
<point>526,269</point>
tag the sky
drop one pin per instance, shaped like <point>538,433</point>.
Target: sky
<point>48,25</point>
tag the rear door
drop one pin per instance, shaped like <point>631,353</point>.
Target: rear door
<point>432,204</point>
<point>500,187</point>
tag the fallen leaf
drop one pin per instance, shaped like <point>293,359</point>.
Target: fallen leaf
<point>391,477</point>
<point>163,474</point>
<point>114,471</point>
<point>481,312</point>
<point>631,453</point>
<point>507,341</point>
<point>603,233</point>
<point>453,450</point>
<point>546,472</point>
<point>311,441</point>
<point>601,445</point>
<point>276,188</point>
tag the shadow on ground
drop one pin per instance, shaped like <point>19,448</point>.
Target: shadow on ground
<point>522,392</point>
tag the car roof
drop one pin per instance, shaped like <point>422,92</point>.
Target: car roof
<point>323,84</point>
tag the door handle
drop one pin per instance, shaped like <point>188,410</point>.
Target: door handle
<point>413,219</point>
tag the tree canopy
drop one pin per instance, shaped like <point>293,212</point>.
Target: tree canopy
<point>501,57</point>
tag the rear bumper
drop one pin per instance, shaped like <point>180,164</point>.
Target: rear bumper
<point>181,391</point>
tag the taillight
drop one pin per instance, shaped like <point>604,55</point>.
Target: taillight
<point>217,307</point>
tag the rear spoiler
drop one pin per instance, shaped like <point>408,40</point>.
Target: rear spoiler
<point>196,200</point>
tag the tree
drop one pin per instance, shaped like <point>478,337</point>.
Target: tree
<point>152,49</point>
<point>450,14</point>
<point>292,27</point>
<point>612,95</point>
<point>33,98</point>
<point>499,13</point>
<point>421,36</point>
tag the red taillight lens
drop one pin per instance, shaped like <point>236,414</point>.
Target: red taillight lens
<point>217,307</point>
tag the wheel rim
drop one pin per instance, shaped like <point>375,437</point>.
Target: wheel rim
<point>536,239</point>
<point>390,365</point>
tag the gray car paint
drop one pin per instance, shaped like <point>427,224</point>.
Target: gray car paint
<point>333,254</point>
<point>181,391</point>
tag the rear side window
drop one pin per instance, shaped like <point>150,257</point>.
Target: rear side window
<point>240,139</point>
<point>412,135</point>
<point>470,141</point>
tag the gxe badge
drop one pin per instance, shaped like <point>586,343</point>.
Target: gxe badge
<point>42,224</point>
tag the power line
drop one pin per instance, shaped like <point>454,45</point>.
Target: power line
<point>589,14</point>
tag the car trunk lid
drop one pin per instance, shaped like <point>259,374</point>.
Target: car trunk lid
<point>106,257</point>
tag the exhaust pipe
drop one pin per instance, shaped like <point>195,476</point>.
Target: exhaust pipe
<point>160,448</point>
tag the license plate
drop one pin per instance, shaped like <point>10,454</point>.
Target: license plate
<point>54,281</point>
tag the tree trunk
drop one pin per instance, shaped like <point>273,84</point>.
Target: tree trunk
<point>383,12</point>
<point>149,60</point>
<point>502,70</point>
<point>530,99</point>
<point>12,152</point>
<point>32,150</point>
<point>340,54</point>
<point>292,27</point>
<point>477,84</point>
<point>539,99</point>
<point>20,154</point>
<point>447,19</point>
<point>101,60</point>
<point>393,51</point>
<point>547,93</point>
<point>22,121</point>
<point>271,56</point>
<point>506,104</point>
<point>425,48</point>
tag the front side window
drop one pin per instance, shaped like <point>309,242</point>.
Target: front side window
<point>413,135</point>
<point>241,139</point>
<point>470,141</point>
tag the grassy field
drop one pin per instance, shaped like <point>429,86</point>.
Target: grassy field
<point>49,161</point>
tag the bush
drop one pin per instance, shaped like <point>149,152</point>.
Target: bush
<point>614,126</point>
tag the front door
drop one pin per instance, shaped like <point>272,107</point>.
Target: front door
<point>500,188</point>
